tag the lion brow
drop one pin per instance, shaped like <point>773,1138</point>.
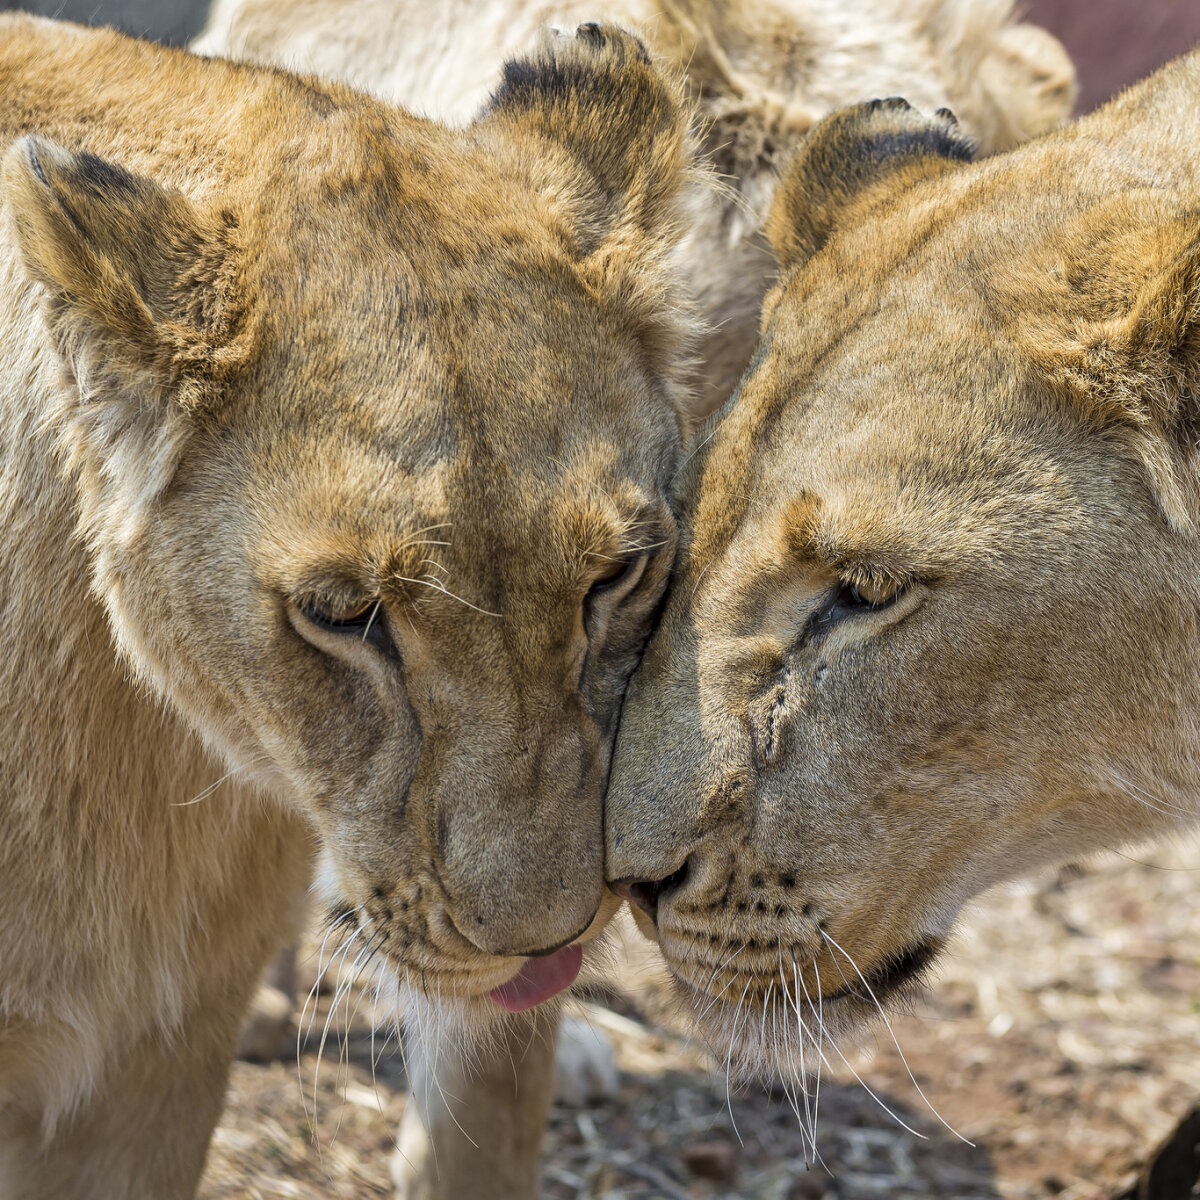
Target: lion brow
<point>813,537</point>
<point>862,563</point>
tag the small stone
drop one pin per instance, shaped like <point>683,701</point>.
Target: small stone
<point>715,1160</point>
<point>811,1187</point>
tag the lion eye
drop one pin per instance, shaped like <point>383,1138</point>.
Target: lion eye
<point>845,601</point>
<point>865,595</point>
<point>616,573</point>
<point>617,581</point>
<point>364,620</point>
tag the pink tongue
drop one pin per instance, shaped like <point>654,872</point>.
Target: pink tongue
<point>539,979</point>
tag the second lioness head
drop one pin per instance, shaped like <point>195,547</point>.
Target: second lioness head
<point>935,614</point>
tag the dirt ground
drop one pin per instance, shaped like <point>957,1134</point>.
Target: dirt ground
<point>1061,1037</point>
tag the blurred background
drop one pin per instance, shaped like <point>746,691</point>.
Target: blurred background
<point>1113,42</point>
<point>173,21</point>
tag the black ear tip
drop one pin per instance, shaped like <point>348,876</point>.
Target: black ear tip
<point>573,64</point>
<point>893,128</point>
<point>101,176</point>
<point>600,37</point>
<point>62,170</point>
<point>845,155</point>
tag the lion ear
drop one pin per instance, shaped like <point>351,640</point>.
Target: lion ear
<point>612,132</point>
<point>130,269</point>
<point>1114,324</point>
<point>847,159</point>
<point>605,139</point>
<point>137,304</point>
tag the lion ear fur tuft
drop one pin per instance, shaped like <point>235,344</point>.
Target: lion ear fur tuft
<point>611,132</point>
<point>848,159</point>
<point>1110,316</point>
<point>139,300</point>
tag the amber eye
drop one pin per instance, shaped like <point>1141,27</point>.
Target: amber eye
<point>363,620</point>
<point>846,601</point>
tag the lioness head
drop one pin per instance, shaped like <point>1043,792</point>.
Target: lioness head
<point>935,616</point>
<point>372,423</point>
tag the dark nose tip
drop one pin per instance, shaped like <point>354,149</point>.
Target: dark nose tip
<point>646,893</point>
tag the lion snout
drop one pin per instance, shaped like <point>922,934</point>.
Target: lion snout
<point>524,910</point>
<point>523,885</point>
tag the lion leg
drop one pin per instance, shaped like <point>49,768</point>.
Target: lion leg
<point>477,1130</point>
<point>269,1031</point>
<point>143,1130</point>
<point>141,1125</point>
<point>269,1028</point>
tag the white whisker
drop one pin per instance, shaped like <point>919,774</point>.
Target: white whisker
<point>801,1037</point>
<point>829,938</point>
<point>436,585</point>
<point>371,619</point>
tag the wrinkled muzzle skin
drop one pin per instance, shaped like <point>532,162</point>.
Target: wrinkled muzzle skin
<point>934,617</point>
<point>372,426</point>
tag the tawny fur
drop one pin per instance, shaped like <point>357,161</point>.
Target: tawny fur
<point>762,72</point>
<point>269,344</point>
<point>934,623</point>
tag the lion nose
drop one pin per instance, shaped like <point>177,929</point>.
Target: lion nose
<point>514,948</point>
<point>646,893</point>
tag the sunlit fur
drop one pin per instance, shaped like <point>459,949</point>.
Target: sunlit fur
<point>762,71</point>
<point>267,344</point>
<point>974,400</point>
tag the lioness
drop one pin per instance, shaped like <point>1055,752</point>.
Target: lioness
<point>338,442</point>
<point>762,72</point>
<point>934,622</point>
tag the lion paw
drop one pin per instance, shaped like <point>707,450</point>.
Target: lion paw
<point>586,1064</point>
<point>268,1033</point>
